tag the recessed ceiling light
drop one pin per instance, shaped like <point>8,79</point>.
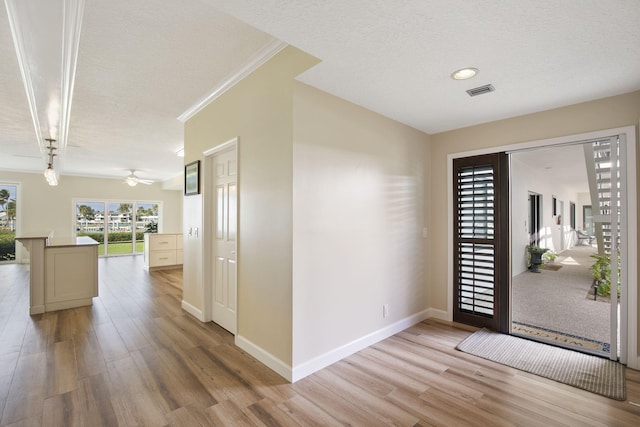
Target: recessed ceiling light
<point>464,73</point>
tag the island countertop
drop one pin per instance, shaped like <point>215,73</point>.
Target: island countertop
<point>59,241</point>
<point>70,241</point>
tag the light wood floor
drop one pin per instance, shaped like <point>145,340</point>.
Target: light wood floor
<point>135,358</point>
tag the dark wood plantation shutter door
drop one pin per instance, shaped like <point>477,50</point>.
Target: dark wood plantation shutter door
<point>480,241</point>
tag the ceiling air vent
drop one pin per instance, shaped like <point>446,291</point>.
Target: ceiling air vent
<point>480,90</point>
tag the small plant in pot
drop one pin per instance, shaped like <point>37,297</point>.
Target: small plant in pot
<point>535,260</point>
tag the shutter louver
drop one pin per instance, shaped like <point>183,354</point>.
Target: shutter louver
<point>475,245</point>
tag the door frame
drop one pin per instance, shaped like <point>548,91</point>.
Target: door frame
<point>628,329</point>
<point>209,227</point>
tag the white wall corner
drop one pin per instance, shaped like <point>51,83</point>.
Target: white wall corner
<point>259,58</point>
<point>193,310</point>
<point>266,358</point>
<point>322,361</point>
<point>434,313</point>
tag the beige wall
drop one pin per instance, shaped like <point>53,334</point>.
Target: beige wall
<point>359,208</point>
<point>43,208</point>
<point>332,203</point>
<point>258,111</point>
<point>607,113</point>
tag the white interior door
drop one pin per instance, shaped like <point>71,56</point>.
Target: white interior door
<point>224,243</point>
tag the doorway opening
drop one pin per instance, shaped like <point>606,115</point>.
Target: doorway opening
<point>569,301</point>
<point>601,229</point>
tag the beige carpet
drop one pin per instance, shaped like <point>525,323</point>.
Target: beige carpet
<point>591,373</point>
<point>556,300</point>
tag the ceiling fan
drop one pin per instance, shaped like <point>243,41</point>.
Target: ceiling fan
<point>133,180</point>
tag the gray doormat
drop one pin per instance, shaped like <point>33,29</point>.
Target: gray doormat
<point>591,373</point>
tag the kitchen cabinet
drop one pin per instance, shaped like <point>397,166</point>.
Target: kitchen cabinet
<point>162,250</point>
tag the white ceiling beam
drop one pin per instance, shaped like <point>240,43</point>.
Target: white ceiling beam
<point>46,37</point>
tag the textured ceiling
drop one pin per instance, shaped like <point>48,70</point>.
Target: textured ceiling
<point>565,164</point>
<point>396,57</point>
<point>140,66</point>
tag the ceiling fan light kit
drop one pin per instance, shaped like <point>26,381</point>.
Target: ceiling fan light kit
<point>50,176</point>
<point>132,179</point>
<point>49,172</point>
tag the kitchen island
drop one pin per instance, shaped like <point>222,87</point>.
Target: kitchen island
<point>63,272</point>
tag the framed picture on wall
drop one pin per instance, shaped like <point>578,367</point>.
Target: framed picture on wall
<point>192,178</point>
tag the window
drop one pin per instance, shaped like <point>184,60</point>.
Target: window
<point>587,220</point>
<point>118,226</point>
<point>8,215</point>
<point>146,215</point>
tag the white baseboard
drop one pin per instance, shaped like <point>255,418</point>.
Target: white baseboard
<point>192,310</point>
<point>307,368</point>
<point>266,358</point>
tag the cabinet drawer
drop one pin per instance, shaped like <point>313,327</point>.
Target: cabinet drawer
<point>159,258</point>
<point>162,242</point>
<point>179,256</point>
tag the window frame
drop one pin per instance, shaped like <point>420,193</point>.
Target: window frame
<point>106,203</point>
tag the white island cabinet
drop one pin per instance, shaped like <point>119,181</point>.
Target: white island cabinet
<point>162,250</point>
<point>63,272</point>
